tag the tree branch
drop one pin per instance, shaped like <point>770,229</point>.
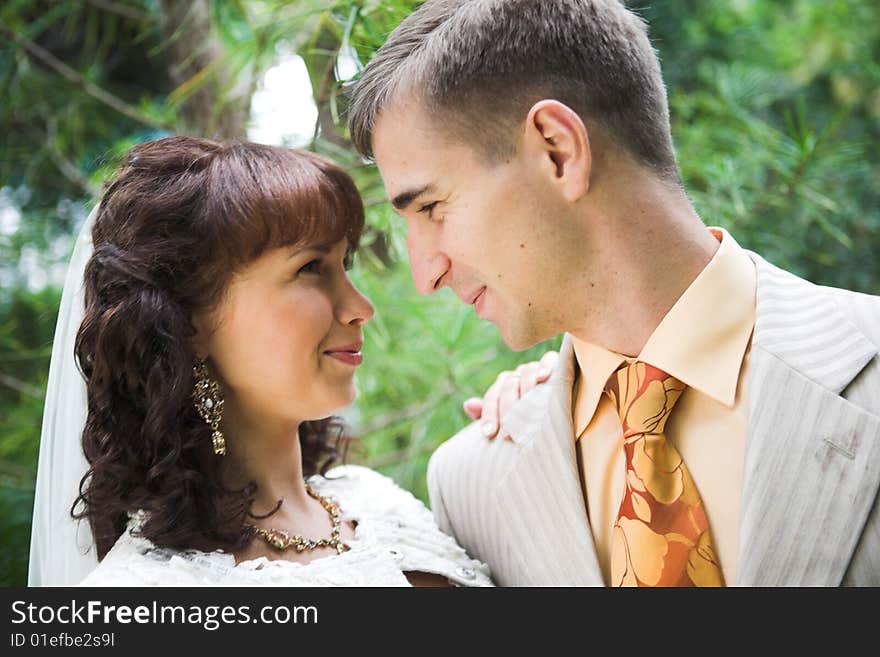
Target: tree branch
<point>96,92</point>
<point>389,419</point>
<point>215,99</point>
<point>15,471</point>
<point>20,386</point>
<point>41,354</point>
<point>396,458</point>
<point>123,10</point>
<point>67,168</point>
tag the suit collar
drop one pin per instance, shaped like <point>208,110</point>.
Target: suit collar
<point>800,324</point>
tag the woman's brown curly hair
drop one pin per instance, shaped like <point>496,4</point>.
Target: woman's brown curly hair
<point>181,217</point>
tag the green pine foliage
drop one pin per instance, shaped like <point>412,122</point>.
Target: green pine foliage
<point>776,116</point>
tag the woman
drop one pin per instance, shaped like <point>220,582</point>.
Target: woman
<point>220,333</point>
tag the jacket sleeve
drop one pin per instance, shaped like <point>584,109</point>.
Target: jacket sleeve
<point>435,495</point>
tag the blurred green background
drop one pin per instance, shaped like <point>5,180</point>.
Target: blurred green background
<point>776,117</point>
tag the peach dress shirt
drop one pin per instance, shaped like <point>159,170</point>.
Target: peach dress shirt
<point>704,341</point>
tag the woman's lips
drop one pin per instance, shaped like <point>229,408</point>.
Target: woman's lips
<point>349,354</point>
<point>349,357</point>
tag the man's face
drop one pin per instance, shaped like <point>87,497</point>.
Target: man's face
<point>494,233</point>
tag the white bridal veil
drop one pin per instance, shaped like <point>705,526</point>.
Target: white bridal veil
<point>62,549</point>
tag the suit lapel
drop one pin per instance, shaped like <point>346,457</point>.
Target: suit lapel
<point>812,462</point>
<point>540,497</point>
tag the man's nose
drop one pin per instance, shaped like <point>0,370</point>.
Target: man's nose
<point>428,265</point>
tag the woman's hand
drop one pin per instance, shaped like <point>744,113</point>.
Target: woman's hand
<point>507,390</point>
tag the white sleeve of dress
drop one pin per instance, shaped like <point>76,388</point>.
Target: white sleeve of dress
<point>135,561</point>
<point>406,526</point>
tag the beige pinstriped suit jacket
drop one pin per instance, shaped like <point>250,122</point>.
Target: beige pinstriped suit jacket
<point>810,509</point>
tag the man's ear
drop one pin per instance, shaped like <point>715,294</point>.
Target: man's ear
<point>557,135</point>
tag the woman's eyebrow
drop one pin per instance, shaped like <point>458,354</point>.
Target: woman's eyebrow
<point>296,250</point>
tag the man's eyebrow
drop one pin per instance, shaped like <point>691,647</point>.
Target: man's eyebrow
<point>403,200</point>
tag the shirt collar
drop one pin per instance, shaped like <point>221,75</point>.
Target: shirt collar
<point>701,340</point>
<point>595,365</point>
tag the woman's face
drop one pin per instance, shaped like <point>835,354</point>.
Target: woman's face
<point>285,341</point>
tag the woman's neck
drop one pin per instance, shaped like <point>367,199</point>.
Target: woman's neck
<point>270,455</point>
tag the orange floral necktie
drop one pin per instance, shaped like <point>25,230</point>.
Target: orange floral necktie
<point>661,537</point>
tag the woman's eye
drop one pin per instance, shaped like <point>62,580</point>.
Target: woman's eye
<point>311,267</point>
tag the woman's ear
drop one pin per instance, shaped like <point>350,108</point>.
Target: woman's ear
<point>199,342</point>
<point>557,135</point>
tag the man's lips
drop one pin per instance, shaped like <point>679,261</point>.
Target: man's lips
<point>349,354</point>
<point>476,295</point>
<point>471,297</point>
<point>478,299</point>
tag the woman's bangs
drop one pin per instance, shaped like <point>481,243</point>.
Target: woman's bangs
<point>277,197</point>
<point>319,205</point>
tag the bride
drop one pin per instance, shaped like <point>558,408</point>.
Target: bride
<point>220,333</point>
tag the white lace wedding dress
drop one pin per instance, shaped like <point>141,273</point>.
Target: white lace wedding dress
<point>395,533</point>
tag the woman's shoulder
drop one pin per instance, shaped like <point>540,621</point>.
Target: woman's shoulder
<point>366,493</point>
<point>395,533</point>
<point>135,561</point>
<point>363,481</point>
<point>400,523</point>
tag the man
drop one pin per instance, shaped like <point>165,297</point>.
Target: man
<point>713,420</point>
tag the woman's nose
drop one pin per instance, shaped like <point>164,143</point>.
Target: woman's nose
<point>356,308</point>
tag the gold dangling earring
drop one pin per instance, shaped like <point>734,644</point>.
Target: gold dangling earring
<point>209,403</point>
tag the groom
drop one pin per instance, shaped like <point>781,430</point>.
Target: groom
<point>713,420</point>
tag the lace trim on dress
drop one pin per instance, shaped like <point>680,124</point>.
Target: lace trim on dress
<point>395,533</point>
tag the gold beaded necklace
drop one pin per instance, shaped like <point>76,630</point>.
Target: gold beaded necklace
<point>281,539</point>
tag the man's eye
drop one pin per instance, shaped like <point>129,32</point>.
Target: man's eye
<point>428,209</point>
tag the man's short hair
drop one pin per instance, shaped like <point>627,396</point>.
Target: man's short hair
<point>479,65</point>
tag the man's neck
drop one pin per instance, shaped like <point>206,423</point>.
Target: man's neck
<point>654,246</point>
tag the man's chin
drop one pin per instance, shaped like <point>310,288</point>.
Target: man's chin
<point>517,341</point>
<point>522,337</point>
